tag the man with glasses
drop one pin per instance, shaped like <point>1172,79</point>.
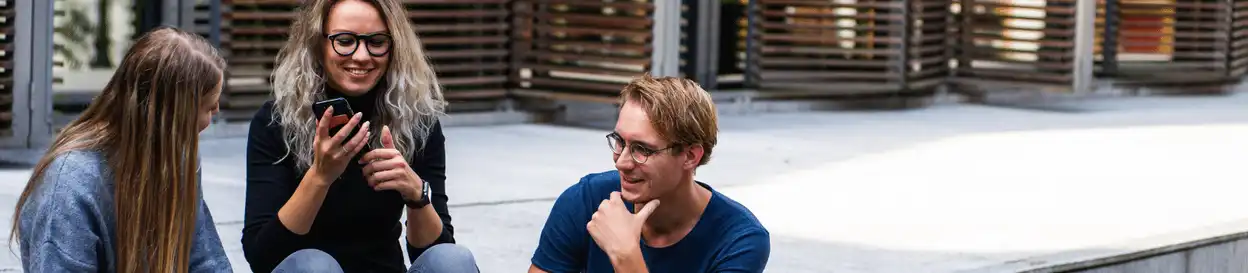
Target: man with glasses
<point>613,221</point>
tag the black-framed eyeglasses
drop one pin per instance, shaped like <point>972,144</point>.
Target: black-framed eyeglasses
<point>640,154</point>
<point>346,43</point>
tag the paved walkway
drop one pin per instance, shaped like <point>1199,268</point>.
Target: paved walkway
<point>943,188</point>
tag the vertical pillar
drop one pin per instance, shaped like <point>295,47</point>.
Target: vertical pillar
<point>1085,27</point>
<point>708,43</point>
<point>665,46</point>
<point>35,89</point>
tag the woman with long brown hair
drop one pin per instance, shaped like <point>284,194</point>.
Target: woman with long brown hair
<point>326,201</point>
<point>118,189</point>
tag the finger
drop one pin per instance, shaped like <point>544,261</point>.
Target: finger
<point>357,142</point>
<point>386,175</point>
<point>387,186</point>
<point>322,126</point>
<point>647,209</point>
<point>379,154</point>
<point>342,133</point>
<point>383,165</point>
<point>387,140</point>
<point>616,199</point>
<point>603,205</point>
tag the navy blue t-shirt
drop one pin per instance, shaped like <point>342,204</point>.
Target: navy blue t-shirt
<point>726,239</point>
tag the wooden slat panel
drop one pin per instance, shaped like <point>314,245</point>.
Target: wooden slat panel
<point>1187,40</point>
<point>252,33</point>
<point>7,67</point>
<point>580,49</point>
<point>467,42</point>
<point>844,48</point>
<point>1238,44</point>
<point>1006,44</point>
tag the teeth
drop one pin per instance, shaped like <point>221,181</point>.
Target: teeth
<point>358,71</point>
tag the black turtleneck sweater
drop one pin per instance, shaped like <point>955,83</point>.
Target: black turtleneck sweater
<point>359,227</point>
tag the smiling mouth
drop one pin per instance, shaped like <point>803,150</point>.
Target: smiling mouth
<point>358,72</point>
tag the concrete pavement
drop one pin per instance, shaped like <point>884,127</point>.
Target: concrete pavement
<point>938,189</point>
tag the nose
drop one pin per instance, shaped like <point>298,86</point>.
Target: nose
<point>361,52</point>
<point>624,160</point>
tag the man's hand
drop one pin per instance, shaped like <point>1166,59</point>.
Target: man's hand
<point>618,231</point>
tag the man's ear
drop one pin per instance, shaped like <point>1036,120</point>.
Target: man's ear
<point>693,156</point>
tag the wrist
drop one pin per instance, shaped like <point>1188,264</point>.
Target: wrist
<point>627,260</point>
<point>318,178</point>
<point>419,198</point>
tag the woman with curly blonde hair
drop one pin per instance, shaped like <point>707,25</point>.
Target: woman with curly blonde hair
<point>325,193</point>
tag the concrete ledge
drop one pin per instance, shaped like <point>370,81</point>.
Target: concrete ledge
<point>1219,248</point>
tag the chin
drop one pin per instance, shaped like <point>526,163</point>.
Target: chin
<point>634,197</point>
<point>353,90</point>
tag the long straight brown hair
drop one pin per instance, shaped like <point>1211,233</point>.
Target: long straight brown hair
<point>145,122</point>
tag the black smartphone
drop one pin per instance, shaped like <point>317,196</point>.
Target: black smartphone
<point>341,115</point>
<point>342,110</point>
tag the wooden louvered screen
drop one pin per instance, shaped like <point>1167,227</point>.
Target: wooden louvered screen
<point>1201,42</point>
<point>203,19</point>
<point>1185,45</point>
<point>580,49</point>
<point>1239,40</point>
<point>849,47</point>
<point>1016,44</point>
<point>252,33</point>
<point>467,42</point>
<point>927,46</point>
<point>7,63</point>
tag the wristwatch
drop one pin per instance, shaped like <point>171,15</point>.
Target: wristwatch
<point>424,197</point>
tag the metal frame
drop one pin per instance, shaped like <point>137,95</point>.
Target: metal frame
<point>907,35</point>
<point>702,39</point>
<point>22,73</point>
<point>751,71</point>
<point>665,57</point>
<point>1109,42</point>
<point>214,22</point>
<point>1085,41</point>
<point>38,94</point>
<point>148,16</point>
<point>178,13</point>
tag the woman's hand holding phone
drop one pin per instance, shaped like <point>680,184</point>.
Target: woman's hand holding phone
<point>330,155</point>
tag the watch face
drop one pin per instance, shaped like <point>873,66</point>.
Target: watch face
<point>425,190</point>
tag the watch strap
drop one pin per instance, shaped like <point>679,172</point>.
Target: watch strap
<point>424,197</point>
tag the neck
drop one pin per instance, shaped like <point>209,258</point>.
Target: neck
<point>362,103</point>
<point>678,212</point>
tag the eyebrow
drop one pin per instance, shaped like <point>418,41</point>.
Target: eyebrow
<point>637,142</point>
<point>336,31</point>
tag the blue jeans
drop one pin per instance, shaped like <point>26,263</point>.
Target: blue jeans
<point>449,258</point>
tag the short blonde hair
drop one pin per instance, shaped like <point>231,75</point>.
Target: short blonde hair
<point>680,110</point>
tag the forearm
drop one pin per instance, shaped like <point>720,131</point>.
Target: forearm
<point>300,211</point>
<point>423,226</point>
<point>632,262</point>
